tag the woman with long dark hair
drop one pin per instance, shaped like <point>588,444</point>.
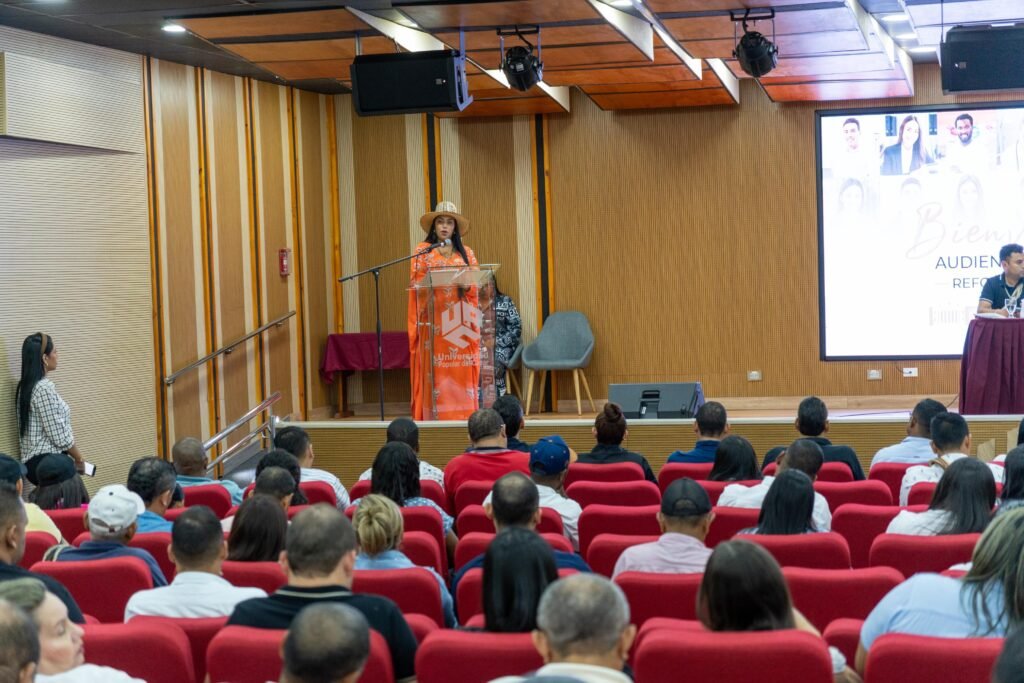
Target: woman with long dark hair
<point>258,531</point>
<point>1012,496</point>
<point>735,460</point>
<point>788,508</point>
<point>962,503</point>
<point>44,419</point>
<point>59,486</point>
<point>518,566</point>
<point>910,151</point>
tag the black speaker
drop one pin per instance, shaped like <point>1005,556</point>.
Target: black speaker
<point>659,400</point>
<point>982,58</point>
<point>410,82</point>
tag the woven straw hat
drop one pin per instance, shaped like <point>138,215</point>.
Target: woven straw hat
<point>445,209</point>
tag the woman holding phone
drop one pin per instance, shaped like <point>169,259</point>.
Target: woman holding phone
<point>44,419</point>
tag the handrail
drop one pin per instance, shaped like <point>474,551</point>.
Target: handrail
<point>227,348</point>
<point>270,425</point>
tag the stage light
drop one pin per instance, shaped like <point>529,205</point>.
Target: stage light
<point>756,54</point>
<point>521,67</point>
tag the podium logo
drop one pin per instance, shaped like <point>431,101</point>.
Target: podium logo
<point>460,324</point>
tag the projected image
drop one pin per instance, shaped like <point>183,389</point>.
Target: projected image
<point>915,206</point>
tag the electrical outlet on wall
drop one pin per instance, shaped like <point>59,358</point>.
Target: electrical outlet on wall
<point>910,372</point>
<point>874,375</point>
<point>754,376</point>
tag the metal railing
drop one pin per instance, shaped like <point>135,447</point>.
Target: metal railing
<point>268,427</point>
<point>227,348</point>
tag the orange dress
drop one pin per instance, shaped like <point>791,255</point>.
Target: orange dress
<point>455,344</point>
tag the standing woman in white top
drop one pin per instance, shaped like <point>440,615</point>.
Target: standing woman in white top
<point>44,419</point>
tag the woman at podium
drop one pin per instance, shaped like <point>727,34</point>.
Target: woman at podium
<point>444,348</point>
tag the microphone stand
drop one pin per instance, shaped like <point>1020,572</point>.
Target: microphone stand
<point>375,271</point>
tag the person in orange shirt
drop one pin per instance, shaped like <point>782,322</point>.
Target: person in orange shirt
<point>455,345</point>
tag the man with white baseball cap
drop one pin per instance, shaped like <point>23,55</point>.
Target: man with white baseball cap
<point>112,522</point>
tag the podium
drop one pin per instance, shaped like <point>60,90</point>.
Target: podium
<point>455,327</point>
<point>992,368</point>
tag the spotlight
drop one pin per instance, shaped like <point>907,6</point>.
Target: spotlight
<point>521,67</point>
<point>756,54</point>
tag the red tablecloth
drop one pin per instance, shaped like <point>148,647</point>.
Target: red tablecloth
<point>992,369</point>
<point>358,351</point>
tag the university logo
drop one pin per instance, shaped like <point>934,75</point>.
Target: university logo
<point>460,324</point>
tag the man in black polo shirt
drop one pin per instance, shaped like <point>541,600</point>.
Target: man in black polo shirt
<point>1001,288</point>
<point>812,423</point>
<point>320,552</point>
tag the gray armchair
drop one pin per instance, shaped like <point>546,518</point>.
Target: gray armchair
<point>566,342</point>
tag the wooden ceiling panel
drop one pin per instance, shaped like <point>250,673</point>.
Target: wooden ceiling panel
<point>670,6</point>
<point>817,21</point>
<point>640,74</point>
<point>590,34</point>
<point>320,68</point>
<point>839,90</point>
<point>976,11</point>
<point>662,100</point>
<point>273,24</point>
<point>295,50</point>
<point>796,45</point>
<point>501,13</point>
<point>822,65</point>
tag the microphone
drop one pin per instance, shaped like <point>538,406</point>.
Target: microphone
<point>439,245</point>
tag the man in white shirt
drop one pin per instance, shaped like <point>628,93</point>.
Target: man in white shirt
<point>296,441</point>
<point>583,631</point>
<point>917,447</point>
<point>951,441</point>
<point>198,551</point>
<point>804,455</point>
<point>404,429</point>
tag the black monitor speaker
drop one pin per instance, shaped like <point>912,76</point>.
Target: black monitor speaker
<point>658,400</point>
<point>410,83</point>
<point>982,58</point>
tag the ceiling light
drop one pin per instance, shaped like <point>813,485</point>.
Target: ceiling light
<point>756,54</point>
<point>621,3</point>
<point>905,36</point>
<point>921,49</point>
<point>895,17</point>
<point>521,67</point>
<point>174,28</point>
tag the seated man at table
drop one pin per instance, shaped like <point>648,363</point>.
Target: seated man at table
<point>489,458</point>
<point>1008,286</point>
<point>405,429</point>
<point>190,463</point>
<point>916,449</point>
<point>710,425</point>
<point>812,423</point>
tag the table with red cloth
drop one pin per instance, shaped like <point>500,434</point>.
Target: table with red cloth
<point>357,351</point>
<point>992,368</point>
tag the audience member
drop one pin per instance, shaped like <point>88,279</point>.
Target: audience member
<point>804,455</point>
<point>610,431</point>
<point>259,530</point>
<point>962,503</point>
<point>320,558</point>
<point>13,520</point>
<point>1010,665</point>
<point>19,645</point>
<point>735,460</point>
<point>278,457</point>
<point>325,642</point>
<point>1012,496</point>
<point>177,496</point>
<point>153,480</point>
<point>190,463</point>
<point>296,441</point>
<point>685,518</point>
<point>58,485</point>
<point>489,458</point>
<point>710,424</point>
<point>743,589</point>
<point>549,463</point>
<point>515,502</point>
<point>275,482</point>
<point>12,475</point>
<point>198,550</point>
<point>518,566</point>
<point>788,508</point>
<point>404,429</point>
<point>583,632</point>
<point>812,423</point>
<point>379,527</point>
<point>511,411</point>
<point>951,441</point>
<point>112,521</point>
<point>916,449</point>
<point>987,602</point>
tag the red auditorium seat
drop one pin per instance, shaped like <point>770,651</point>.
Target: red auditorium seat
<point>859,525</point>
<point>472,657</point>
<point>900,658</point>
<point>891,474</point>
<point>295,509</point>
<point>616,471</point>
<point>818,551</point>
<point>824,595</point>
<point>471,493</point>
<point>469,594</point>
<point>101,587</point>
<point>678,470</point>
<point>763,656</point>
<point>715,488</point>
<point>421,548</point>
<point>70,522</point>
<point>156,653</point>
<point>198,631</point>
<point>252,655</point>
<point>613,519</point>
<point>844,634</point>
<point>173,513</point>
<point>319,492</point>
<point>36,545</point>
<point>913,554</point>
<point>860,492</point>
<point>266,575</point>
<point>921,494</point>
<point>415,591</point>
<point>614,493</point>
<point>428,520</point>
<point>156,543</point>
<point>836,472</point>
<point>213,496</point>
<point>359,489</point>
<point>474,519</point>
<point>474,544</point>
<point>605,549</point>
<point>728,522</point>
<point>660,595</point>
<point>421,625</point>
